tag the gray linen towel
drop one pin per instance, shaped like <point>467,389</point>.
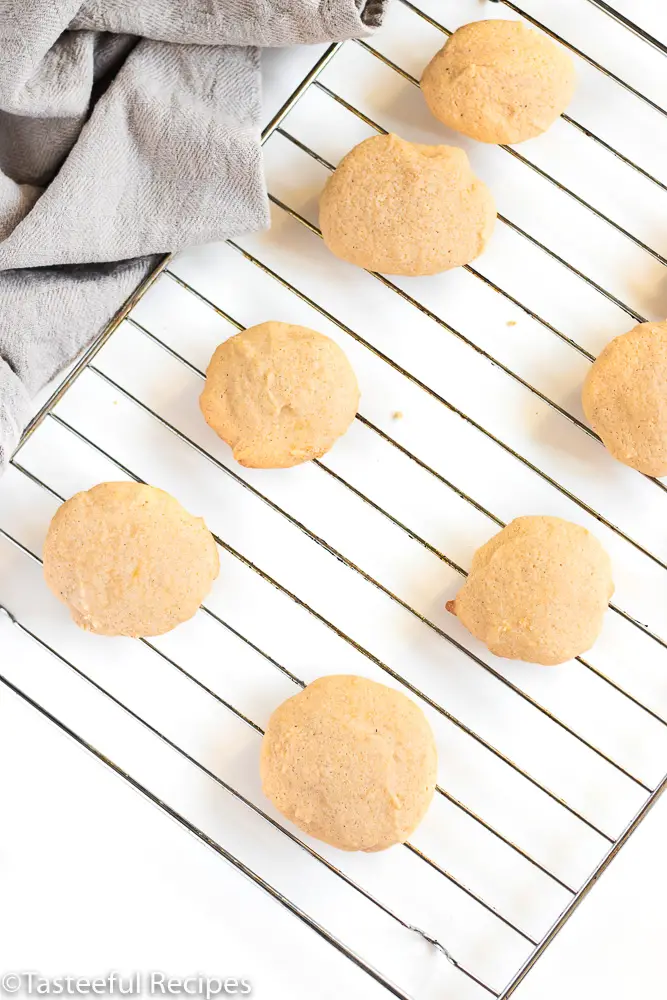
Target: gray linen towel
<point>128,129</point>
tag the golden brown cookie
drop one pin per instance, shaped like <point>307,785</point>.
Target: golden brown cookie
<point>401,208</point>
<point>537,591</point>
<point>499,81</point>
<point>127,559</point>
<point>351,762</point>
<point>625,398</point>
<point>279,395</point>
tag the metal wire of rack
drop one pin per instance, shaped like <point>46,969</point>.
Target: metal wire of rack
<point>619,742</point>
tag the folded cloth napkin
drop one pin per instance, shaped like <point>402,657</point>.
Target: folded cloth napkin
<point>128,128</point>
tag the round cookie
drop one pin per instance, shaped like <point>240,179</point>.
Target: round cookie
<point>127,559</point>
<point>625,398</point>
<point>400,208</point>
<point>279,395</point>
<point>537,591</point>
<point>499,81</point>
<point>351,762</point>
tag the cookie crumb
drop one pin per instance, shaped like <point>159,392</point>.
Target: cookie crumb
<point>511,322</point>
<point>397,415</point>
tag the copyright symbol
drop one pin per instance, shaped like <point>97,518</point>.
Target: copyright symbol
<point>10,982</point>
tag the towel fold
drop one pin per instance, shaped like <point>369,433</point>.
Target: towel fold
<point>128,129</point>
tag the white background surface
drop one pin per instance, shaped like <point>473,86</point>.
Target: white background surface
<point>93,876</point>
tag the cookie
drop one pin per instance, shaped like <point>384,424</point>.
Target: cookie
<point>127,559</point>
<point>401,208</point>
<point>499,81</point>
<point>351,762</point>
<point>625,398</point>
<point>279,395</point>
<point>537,591</point>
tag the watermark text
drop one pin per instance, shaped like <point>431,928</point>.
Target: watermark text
<point>29,983</point>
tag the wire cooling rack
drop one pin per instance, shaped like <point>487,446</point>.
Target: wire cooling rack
<point>469,416</point>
